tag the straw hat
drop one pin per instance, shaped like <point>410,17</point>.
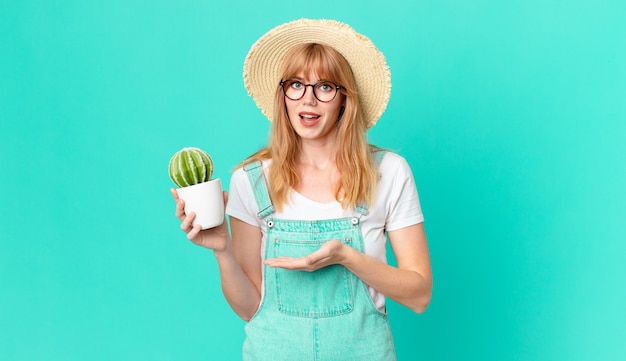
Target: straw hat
<point>265,59</point>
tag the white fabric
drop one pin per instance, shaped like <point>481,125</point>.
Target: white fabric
<point>396,205</point>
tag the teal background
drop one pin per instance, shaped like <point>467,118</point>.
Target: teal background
<point>511,113</point>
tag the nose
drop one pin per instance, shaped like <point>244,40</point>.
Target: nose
<point>309,96</point>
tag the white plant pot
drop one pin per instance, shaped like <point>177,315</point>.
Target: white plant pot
<point>206,200</point>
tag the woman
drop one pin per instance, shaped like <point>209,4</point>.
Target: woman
<point>309,214</point>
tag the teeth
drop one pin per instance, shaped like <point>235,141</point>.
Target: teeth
<point>309,116</point>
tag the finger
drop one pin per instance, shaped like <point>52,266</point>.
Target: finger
<point>280,261</point>
<point>225,197</point>
<point>287,263</point>
<point>194,232</point>
<point>284,259</point>
<point>180,209</point>
<point>186,224</point>
<point>174,194</point>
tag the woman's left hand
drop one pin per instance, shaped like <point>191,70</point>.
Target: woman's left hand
<point>331,252</point>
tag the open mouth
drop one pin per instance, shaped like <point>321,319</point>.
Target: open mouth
<point>309,116</point>
<point>309,119</point>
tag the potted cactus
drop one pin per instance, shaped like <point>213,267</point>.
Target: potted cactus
<point>191,170</point>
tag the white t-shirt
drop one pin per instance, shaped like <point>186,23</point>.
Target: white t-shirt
<point>396,205</point>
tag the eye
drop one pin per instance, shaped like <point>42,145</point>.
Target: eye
<point>295,84</point>
<point>326,87</point>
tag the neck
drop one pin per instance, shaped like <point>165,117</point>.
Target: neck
<point>318,154</point>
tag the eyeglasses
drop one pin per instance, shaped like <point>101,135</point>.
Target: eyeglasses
<point>324,90</point>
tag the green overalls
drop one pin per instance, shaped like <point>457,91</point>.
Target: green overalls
<point>323,315</point>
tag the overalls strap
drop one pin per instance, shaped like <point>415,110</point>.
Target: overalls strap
<point>378,158</point>
<point>255,174</point>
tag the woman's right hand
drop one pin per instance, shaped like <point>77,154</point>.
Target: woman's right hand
<point>216,238</point>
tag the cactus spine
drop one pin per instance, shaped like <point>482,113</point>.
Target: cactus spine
<point>190,166</point>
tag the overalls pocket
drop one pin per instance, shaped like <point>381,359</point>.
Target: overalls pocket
<point>326,292</point>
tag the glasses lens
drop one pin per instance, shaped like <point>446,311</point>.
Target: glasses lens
<point>325,91</point>
<point>293,89</point>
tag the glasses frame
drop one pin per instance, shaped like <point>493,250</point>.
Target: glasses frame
<point>337,87</point>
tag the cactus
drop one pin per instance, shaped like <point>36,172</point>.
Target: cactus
<point>190,166</point>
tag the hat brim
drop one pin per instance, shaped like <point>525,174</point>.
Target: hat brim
<point>265,59</point>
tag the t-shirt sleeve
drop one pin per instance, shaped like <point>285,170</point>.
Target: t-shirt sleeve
<point>404,207</point>
<point>241,203</point>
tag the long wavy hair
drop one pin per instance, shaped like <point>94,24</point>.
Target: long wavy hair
<point>354,155</point>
